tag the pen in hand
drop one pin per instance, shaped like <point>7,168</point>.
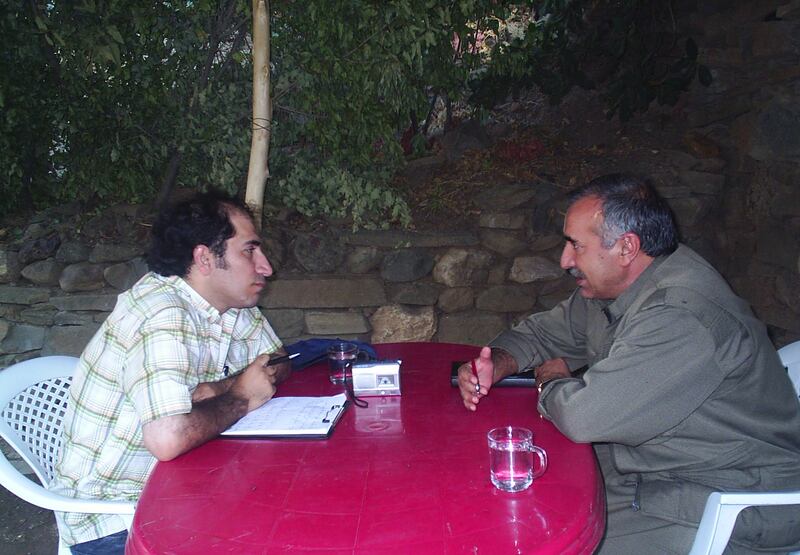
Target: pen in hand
<point>475,373</point>
<point>278,360</point>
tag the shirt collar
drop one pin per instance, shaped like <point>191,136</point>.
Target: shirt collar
<point>197,301</point>
<point>616,308</point>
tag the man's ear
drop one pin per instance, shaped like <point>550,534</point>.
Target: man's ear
<point>630,247</point>
<point>203,259</point>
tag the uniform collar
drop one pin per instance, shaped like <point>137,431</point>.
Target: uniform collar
<point>616,308</point>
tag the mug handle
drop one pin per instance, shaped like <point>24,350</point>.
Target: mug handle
<point>541,454</point>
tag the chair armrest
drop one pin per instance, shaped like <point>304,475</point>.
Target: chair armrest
<point>33,493</point>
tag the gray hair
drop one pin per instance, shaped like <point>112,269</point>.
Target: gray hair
<point>631,204</point>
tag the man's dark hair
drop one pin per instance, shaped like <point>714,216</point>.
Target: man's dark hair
<point>203,219</point>
<point>632,204</point>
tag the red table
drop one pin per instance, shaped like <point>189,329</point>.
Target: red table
<point>407,475</point>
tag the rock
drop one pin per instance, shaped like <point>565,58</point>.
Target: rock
<point>700,145</point>
<point>71,252</point>
<point>456,299</point>
<point>776,134</point>
<point>103,303</point>
<point>23,295</point>
<point>274,250</point>
<point>422,293</point>
<point>497,273</point>
<point>787,289</point>
<point>38,249</point>
<point>9,265</point>
<point>363,260</point>
<point>36,230</point>
<point>421,170</point>
<point>83,276</point>
<point>703,183</point>
<point>529,269</point>
<point>774,39</point>
<point>38,315</point>
<point>323,293</point>
<point>286,322</point>
<point>406,265</point>
<point>461,267</point>
<point>335,323</point>
<point>506,298</point>
<point>470,328</point>
<point>777,253</point>
<point>396,239</point>
<point>689,212</point>
<point>395,323</point>
<point>123,275</point>
<point>546,242</point>
<point>22,338</point>
<point>4,327</point>
<point>68,340</point>
<point>507,197</point>
<point>711,165</point>
<point>469,136</point>
<point>43,272</point>
<point>677,159</point>
<point>73,318</point>
<point>506,243</point>
<point>318,253</point>
<point>107,252</point>
<point>502,220</point>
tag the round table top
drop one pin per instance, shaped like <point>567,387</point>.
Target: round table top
<point>408,473</point>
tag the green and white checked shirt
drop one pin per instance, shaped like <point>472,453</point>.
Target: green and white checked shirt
<point>159,343</point>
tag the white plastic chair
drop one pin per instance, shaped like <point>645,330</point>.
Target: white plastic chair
<point>33,398</point>
<point>719,515</point>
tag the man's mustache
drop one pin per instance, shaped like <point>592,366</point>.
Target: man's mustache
<point>576,273</point>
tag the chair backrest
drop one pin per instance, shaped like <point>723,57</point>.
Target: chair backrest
<point>33,400</point>
<point>790,357</point>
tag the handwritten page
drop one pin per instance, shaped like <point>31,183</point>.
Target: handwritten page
<point>291,417</point>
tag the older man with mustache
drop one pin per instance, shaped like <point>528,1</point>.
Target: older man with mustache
<point>665,370</point>
<point>181,358</point>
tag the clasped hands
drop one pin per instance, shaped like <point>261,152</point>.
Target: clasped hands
<point>255,384</point>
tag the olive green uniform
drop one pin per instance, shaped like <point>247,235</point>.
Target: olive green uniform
<point>684,395</point>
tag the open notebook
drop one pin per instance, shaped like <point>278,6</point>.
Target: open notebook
<point>287,417</point>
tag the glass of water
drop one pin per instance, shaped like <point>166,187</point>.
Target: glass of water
<point>513,458</point>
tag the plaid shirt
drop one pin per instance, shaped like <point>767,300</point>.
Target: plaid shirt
<point>159,343</point>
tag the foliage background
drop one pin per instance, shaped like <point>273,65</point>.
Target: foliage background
<point>108,101</point>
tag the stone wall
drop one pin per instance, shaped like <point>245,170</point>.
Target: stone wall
<point>750,117</point>
<point>377,286</point>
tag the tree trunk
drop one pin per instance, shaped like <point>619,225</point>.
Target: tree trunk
<point>258,171</point>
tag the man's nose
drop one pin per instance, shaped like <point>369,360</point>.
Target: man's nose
<point>567,256</point>
<point>263,266</point>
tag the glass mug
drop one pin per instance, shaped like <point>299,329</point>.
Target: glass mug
<point>341,356</point>
<point>511,458</point>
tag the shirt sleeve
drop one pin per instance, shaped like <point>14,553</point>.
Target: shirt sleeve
<point>559,332</point>
<point>660,369</point>
<point>157,377</point>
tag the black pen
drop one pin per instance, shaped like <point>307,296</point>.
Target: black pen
<point>284,358</point>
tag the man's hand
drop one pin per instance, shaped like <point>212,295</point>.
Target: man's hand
<point>256,384</point>
<point>474,387</point>
<point>551,370</point>
<point>279,372</point>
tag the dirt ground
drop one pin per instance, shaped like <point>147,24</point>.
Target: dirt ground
<point>24,528</point>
